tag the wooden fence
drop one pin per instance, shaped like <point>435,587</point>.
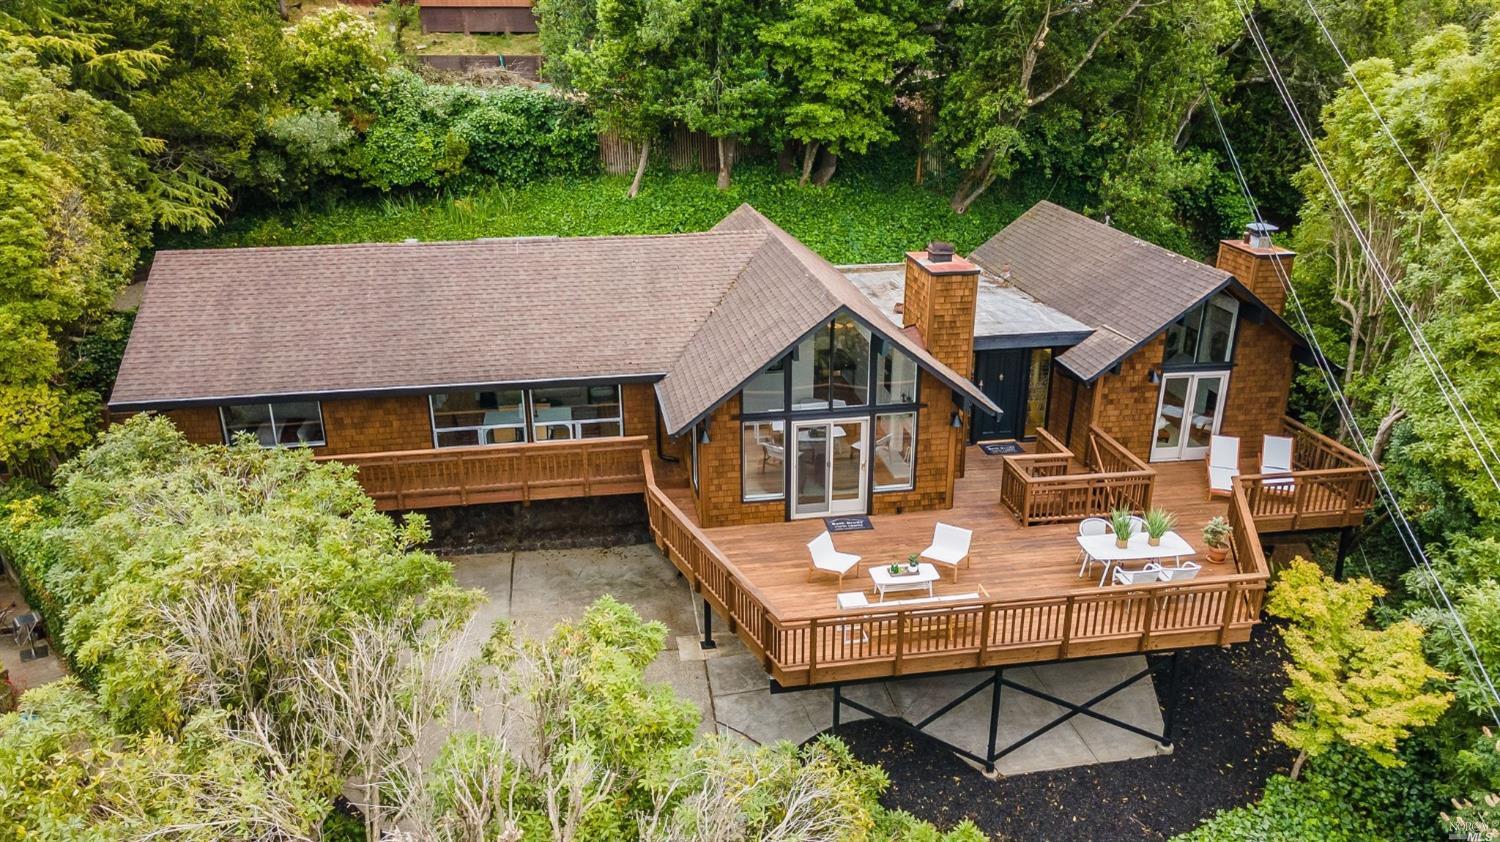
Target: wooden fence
<point>461,476</point>
<point>881,641</point>
<point>1037,487</point>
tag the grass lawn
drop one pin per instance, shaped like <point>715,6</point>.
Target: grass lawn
<point>869,215</point>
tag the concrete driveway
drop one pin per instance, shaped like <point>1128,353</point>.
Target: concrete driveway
<point>539,588</point>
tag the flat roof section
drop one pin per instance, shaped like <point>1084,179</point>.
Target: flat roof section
<point>1004,316</point>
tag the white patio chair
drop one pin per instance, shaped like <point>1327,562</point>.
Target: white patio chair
<point>1223,464</point>
<point>1276,458</point>
<point>950,546</point>
<point>828,559</point>
<point>1181,573</point>
<point>770,451</point>
<point>1150,573</point>
<point>1090,526</point>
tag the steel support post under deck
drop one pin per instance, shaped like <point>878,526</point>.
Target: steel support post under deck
<point>708,628</point>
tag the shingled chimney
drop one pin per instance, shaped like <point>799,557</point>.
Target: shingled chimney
<point>941,289</point>
<point>1254,260</point>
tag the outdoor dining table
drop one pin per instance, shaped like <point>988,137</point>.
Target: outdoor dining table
<point>1138,548</point>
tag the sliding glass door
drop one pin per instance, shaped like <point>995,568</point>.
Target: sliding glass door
<point>830,474</point>
<point>1188,415</point>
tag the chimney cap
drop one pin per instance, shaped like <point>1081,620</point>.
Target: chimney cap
<point>1261,228</point>
<point>939,252</point>
<point>1258,234</point>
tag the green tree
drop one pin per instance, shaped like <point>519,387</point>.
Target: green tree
<point>723,85</point>
<point>837,60</point>
<point>1352,685</point>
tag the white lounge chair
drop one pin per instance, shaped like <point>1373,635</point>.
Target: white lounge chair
<point>950,546</point>
<point>1090,526</point>
<point>1181,573</point>
<point>1276,459</point>
<point>828,559</point>
<point>1223,464</point>
<point>1150,573</point>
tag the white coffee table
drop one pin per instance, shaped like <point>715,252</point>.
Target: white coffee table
<point>921,580</point>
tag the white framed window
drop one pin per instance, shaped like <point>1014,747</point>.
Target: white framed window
<point>494,416</point>
<point>278,424</point>
<point>576,412</point>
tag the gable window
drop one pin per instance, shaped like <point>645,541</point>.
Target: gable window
<point>576,412</point>
<point>895,375</point>
<point>831,367</point>
<point>766,392</point>
<point>1203,335</point>
<point>281,424</point>
<point>469,418</point>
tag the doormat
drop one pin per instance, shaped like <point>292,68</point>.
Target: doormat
<point>1000,448</point>
<point>848,523</point>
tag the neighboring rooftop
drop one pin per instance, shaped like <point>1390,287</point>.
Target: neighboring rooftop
<point>1124,287</point>
<point>697,313</point>
<point>1004,317</point>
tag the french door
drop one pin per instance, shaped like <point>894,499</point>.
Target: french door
<point>1188,413</point>
<point>830,475</point>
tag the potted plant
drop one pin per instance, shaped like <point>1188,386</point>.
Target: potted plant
<point>911,563</point>
<point>895,569</point>
<point>1121,523</point>
<point>1158,523</point>
<point>1216,536</point>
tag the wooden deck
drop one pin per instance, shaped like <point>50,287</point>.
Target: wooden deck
<point>1009,560</point>
<point>1031,607</point>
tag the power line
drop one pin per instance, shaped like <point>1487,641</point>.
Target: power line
<point>1446,387</point>
<point>1390,135</point>
<point>1404,531</point>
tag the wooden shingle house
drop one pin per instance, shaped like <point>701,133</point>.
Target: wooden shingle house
<point>750,390</point>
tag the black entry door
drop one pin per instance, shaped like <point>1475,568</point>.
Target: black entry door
<point>1002,376</point>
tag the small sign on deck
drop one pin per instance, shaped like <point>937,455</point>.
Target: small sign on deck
<point>848,523</point>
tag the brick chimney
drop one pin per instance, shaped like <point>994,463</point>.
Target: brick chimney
<point>941,289</point>
<point>1253,260</point>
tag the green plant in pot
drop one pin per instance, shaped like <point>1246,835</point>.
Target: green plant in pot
<point>1122,525</point>
<point>911,563</point>
<point>1216,536</point>
<point>1158,523</point>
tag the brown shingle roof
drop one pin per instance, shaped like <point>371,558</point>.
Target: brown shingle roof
<point>1126,288</point>
<point>699,312</point>
<point>261,322</point>
<point>784,291</point>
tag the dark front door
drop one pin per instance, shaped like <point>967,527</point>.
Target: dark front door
<point>1002,376</point>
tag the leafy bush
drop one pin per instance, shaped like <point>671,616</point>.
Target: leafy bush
<point>425,134</point>
<point>1343,797</point>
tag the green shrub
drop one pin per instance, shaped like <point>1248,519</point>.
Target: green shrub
<point>1344,796</point>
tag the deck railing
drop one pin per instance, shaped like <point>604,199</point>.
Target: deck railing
<point>1330,485</point>
<point>1037,487</point>
<point>881,641</point>
<point>461,476</point>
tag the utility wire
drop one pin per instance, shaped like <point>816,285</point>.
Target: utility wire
<point>1446,387</point>
<point>1391,136</point>
<point>1404,531</point>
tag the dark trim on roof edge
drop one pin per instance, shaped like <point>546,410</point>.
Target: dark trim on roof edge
<point>784,351</point>
<point>1009,342</point>
<point>391,391</point>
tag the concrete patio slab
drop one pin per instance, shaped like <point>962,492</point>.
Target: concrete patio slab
<point>543,587</point>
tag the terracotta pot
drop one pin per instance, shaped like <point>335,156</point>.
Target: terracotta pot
<point>1217,554</point>
<point>1153,541</point>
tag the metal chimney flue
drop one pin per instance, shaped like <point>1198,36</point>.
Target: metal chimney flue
<point>1258,234</point>
<point>938,252</point>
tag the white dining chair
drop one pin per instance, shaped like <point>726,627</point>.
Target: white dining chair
<point>1276,459</point>
<point>828,559</point>
<point>1090,526</point>
<point>1181,573</point>
<point>950,546</point>
<point>1223,464</point>
<point>1150,573</point>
